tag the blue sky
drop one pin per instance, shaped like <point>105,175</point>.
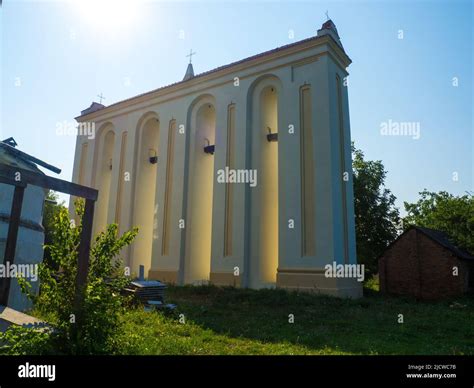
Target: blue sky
<point>56,57</point>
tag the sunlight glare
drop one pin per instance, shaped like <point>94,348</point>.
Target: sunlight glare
<point>108,15</point>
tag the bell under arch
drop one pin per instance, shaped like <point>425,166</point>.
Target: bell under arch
<point>262,252</point>
<point>196,265</point>
<point>144,206</point>
<point>103,176</point>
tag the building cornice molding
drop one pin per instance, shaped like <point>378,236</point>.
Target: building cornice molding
<point>334,51</point>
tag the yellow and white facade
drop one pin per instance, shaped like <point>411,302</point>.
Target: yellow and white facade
<point>148,162</point>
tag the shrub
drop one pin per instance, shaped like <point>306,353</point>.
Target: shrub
<point>90,330</point>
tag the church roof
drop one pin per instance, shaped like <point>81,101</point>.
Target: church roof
<point>189,72</point>
<point>95,106</point>
<point>329,28</point>
<point>215,70</point>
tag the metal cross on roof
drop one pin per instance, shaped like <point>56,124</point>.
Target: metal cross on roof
<point>190,55</point>
<point>327,15</point>
<point>101,97</point>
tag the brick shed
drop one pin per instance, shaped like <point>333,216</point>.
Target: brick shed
<point>421,262</point>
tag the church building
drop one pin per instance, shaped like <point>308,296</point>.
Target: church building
<point>237,176</point>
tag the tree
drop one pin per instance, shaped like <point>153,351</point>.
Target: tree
<point>51,209</point>
<point>103,303</point>
<point>453,215</point>
<point>376,217</point>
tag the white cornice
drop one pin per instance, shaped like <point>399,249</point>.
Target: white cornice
<point>335,52</point>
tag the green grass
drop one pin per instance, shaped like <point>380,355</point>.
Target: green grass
<point>243,321</point>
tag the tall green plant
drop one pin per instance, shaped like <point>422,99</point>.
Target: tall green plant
<point>103,301</point>
<point>51,209</point>
<point>376,216</point>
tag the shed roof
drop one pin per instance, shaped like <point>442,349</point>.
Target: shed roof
<point>442,239</point>
<point>438,237</point>
<point>14,157</point>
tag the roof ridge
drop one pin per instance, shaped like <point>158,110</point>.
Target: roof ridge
<point>255,56</point>
<point>445,240</point>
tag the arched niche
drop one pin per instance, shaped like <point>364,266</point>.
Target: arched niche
<point>144,207</point>
<point>200,167</point>
<point>103,174</point>
<point>263,218</point>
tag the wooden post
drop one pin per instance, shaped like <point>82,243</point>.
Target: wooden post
<point>10,247</point>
